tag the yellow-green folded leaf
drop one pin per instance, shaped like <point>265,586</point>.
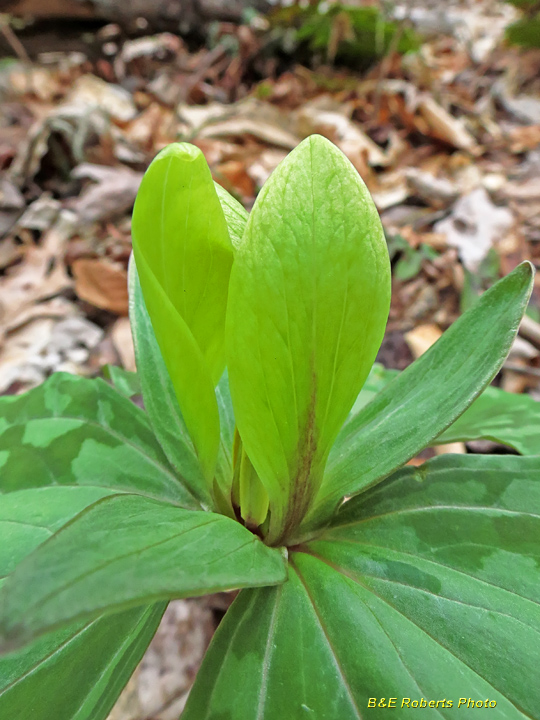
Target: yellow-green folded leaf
<point>308,303</point>
<point>184,257</point>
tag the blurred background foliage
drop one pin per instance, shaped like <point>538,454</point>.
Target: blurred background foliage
<point>525,31</point>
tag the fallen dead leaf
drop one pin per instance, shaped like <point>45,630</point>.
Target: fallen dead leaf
<point>19,352</point>
<point>524,138</point>
<point>41,275</point>
<point>240,126</point>
<point>102,284</point>
<point>446,127</point>
<point>247,117</point>
<point>422,338</point>
<point>112,194</point>
<point>236,174</point>
<point>40,214</point>
<point>90,92</point>
<point>348,136</point>
<point>438,192</point>
<point>261,169</point>
<point>123,343</point>
<point>474,226</point>
<point>55,308</point>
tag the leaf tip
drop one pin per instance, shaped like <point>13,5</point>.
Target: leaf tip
<point>183,151</point>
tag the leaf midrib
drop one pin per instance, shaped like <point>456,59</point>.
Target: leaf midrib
<point>368,589</point>
<point>429,508</point>
<point>328,640</point>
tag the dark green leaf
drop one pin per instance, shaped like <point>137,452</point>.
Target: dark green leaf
<point>496,415</point>
<point>378,377</point>
<point>500,416</point>
<point>270,659</point>
<point>77,673</point>
<point>429,395</point>
<point>427,586</point>
<point>128,550</point>
<point>29,517</point>
<point>126,382</point>
<point>72,431</point>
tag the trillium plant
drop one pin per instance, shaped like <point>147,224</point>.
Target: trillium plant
<point>259,464</point>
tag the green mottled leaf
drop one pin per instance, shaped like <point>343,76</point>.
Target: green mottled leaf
<point>429,395</point>
<point>500,416</point>
<point>29,517</point>
<point>126,382</point>
<point>73,431</point>
<point>77,673</point>
<point>496,415</point>
<point>128,550</point>
<point>184,256</point>
<point>308,302</point>
<point>427,586</point>
<point>378,377</point>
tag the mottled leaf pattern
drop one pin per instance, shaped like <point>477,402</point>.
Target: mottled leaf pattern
<point>126,382</point>
<point>77,673</point>
<point>427,586</point>
<point>131,550</point>
<point>503,417</point>
<point>72,431</point>
<point>428,396</point>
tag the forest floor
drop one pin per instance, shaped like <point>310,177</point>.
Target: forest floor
<point>447,140</point>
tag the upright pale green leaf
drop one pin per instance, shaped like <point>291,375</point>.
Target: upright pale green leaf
<point>159,395</point>
<point>126,551</point>
<point>77,673</point>
<point>235,215</point>
<point>184,256</point>
<point>308,302</point>
<point>164,411</point>
<point>500,416</point>
<point>180,232</point>
<point>428,396</point>
<point>72,431</point>
<point>426,587</point>
<point>160,400</point>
